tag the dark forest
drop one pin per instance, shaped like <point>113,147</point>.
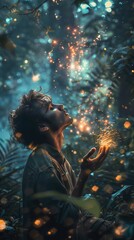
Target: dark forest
<point>81,53</point>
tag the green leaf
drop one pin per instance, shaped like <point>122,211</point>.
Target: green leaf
<point>90,205</point>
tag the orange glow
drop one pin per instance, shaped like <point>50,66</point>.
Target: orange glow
<point>52,231</point>
<point>36,78</point>
<point>18,135</point>
<point>82,125</point>
<point>95,188</point>
<point>38,223</point>
<point>118,178</point>
<point>31,146</point>
<point>127,124</point>
<point>108,138</point>
<point>119,230</point>
<point>122,151</point>
<point>132,206</point>
<point>54,42</point>
<point>121,161</point>
<point>74,120</point>
<point>2,225</point>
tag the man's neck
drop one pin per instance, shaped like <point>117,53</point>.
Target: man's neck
<point>56,140</point>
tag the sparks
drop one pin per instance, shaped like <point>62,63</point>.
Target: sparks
<point>108,138</point>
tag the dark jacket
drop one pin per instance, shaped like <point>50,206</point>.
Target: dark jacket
<point>51,218</point>
<point>48,217</point>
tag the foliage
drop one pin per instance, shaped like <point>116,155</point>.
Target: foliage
<point>12,160</point>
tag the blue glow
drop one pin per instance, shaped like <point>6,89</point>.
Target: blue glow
<point>8,20</point>
<point>84,8</point>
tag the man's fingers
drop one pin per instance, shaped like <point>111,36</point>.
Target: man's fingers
<point>106,153</point>
<point>99,155</point>
<point>89,153</point>
<point>100,149</point>
<point>100,161</point>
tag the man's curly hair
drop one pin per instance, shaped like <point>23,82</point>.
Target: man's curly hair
<point>28,117</point>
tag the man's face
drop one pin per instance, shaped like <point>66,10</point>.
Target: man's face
<point>56,117</point>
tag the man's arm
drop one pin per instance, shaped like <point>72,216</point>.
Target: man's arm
<point>77,192</point>
<point>89,165</point>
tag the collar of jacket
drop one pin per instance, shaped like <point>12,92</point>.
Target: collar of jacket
<point>53,152</point>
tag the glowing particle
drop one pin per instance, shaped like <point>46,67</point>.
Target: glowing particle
<point>26,61</point>
<point>54,42</point>
<point>3,200</point>
<point>2,225</point>
<point>80,160</point>
<point>95,188</point>
<point>127,124</point>
<point>38,223</point>
<point>8,20</point>
<point>88,128</point>
<point>92,4</point>
<point>52,231</point>
<point>15,19</point>
<point>108,4</point>
<point>118,178</point>
<point>108,9</point>
<point>82,92</point>
<point>122,151</point>
<point>84,6</point>
<point>74,120</point>
<point>31,146</point>
<point>18,135</point>
<point>46,210</point>
<point>36,78</point>
<point>121,161</point>
<point>108,188</point>
<point>108,138</point>
<point>132,206</point>
<point>132,71</point>
<point>119,230</point>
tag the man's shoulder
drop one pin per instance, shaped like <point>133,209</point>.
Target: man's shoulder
<point>40,160</point>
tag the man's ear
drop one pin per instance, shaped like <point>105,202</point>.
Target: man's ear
<point>43,128</point>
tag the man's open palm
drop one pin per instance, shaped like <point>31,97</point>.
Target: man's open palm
<point>91,164</point>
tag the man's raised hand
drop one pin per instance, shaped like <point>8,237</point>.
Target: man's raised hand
<point>89,164</point>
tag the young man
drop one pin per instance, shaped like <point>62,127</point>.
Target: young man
<point>39,123</point>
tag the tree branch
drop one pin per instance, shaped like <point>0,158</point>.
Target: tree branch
<point>31,11</point>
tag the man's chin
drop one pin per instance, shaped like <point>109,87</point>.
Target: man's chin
<point>68,122</point>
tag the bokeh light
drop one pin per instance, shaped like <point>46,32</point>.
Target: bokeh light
<point>2,225</point>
